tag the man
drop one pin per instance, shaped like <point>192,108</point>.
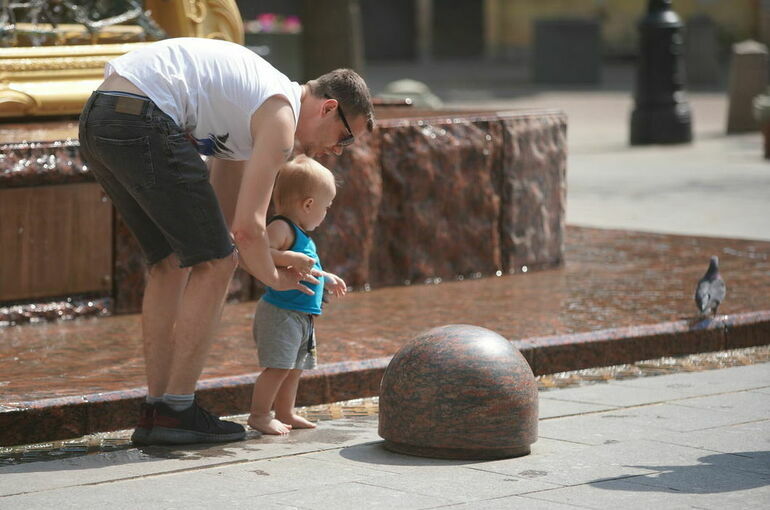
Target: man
<point>141,134</point>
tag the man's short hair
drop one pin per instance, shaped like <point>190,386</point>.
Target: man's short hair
<point>347,87</point>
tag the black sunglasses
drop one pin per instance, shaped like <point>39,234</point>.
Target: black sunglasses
<point>351,137</point>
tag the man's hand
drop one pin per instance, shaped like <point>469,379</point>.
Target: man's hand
<point>289,279</point>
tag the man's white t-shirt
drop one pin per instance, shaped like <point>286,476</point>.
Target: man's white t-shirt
<point>211,88</point>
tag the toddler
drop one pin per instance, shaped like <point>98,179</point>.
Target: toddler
<point>283,322</point>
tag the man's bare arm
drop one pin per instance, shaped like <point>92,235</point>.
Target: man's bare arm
<point>273,134</point>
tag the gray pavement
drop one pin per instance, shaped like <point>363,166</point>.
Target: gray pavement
<point>687,440</point>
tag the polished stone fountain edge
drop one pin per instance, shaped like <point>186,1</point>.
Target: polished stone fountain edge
<point>67,417</point>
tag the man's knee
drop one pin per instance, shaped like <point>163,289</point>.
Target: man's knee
<point>166,266</point>
<point>226,265</point>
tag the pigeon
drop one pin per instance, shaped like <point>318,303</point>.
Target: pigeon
<point>711,289</point>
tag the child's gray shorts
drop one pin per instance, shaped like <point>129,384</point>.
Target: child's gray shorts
<point>284,338</point>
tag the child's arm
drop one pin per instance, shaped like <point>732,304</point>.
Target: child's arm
<point>286,258</point>
<point>281,237</point>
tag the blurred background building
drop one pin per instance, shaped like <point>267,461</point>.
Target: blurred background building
<point>509,30</point>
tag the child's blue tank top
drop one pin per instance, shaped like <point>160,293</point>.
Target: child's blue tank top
<point>294,299</point>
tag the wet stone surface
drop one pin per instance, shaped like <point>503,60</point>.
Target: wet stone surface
<point>368,408</point>
<point>611,279</point>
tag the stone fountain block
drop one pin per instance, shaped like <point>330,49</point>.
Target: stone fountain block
<point>534,189</point>
<point>440,210</point>
<point>459,392</point>
<point>427,195</point>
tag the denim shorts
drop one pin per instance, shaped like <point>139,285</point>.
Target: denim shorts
<point>155,177</point>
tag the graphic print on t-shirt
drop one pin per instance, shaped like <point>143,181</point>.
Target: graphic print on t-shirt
<point>214,145</point>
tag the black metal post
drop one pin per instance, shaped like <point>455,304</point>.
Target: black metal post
<point>661,112</point>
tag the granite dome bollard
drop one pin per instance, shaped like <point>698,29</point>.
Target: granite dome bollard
<point>459,392</point>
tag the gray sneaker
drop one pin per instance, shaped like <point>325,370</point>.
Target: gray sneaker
<point>192,425</point>
<point>141,434</point>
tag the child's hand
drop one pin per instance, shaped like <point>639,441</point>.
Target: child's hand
<point>300,262</point>
<point>335,284</point>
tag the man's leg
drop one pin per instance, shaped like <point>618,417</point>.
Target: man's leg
<point>159,183</point>
<point>160,309</point>
<point>199,314</point>
<point>175,421</point>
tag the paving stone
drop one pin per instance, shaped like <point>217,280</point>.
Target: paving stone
<point>516,502</point>
<point>188,490</point>
<point>281,474</point>
<point>545,446</point>
<point>451,482</point>
<point>354,496</point>
<point>603,428</point>
<point>679,417</point>
<point>751,404</point>
<point>660,421</point>
<point>613,460</point>
<point>552,408</point>
<point>708,382</point>
<point>613,395</point>
<point>628,495</point>
<point>750,440</point>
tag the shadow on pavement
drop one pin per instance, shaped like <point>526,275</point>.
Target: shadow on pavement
<point>716,473</point>
<point>376,453</point>
<point>121,452</point>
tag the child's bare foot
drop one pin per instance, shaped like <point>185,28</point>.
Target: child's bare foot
<point>298,422</point>
<point>268,425</point>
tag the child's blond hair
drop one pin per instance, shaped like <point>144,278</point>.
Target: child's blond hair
<point>301,178</point>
